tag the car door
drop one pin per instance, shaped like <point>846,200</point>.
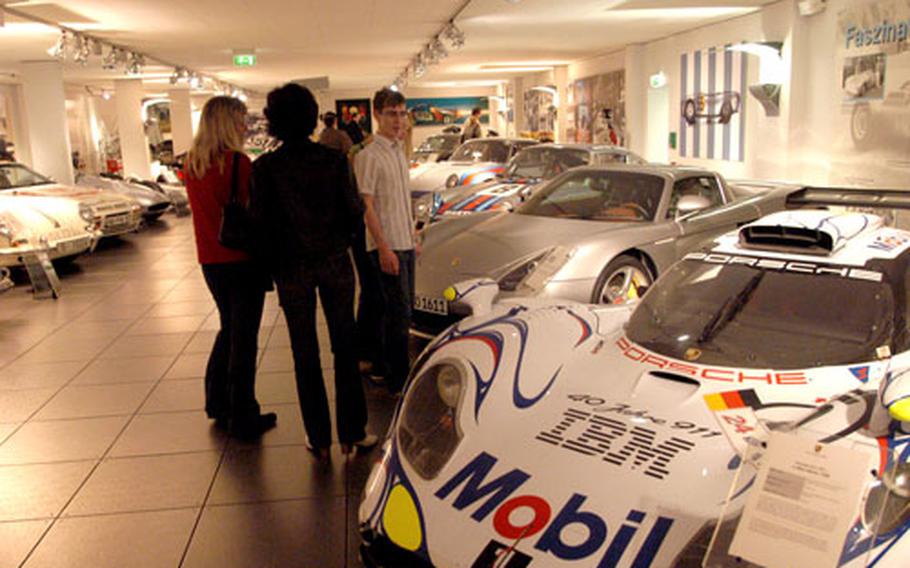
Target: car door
<point>705,225</point>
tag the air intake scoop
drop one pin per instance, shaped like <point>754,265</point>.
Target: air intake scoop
<point>806,232</point>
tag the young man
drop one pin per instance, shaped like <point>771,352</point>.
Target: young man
<point>382,177</point>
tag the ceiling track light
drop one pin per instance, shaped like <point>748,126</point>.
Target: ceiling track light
<point>454,36</point>
<point>435,51</point>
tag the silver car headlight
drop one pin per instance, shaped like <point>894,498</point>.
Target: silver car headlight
<point>428,429</point>
<point>536,272</point>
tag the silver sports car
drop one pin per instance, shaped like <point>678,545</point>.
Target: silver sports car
<point>592,234</point>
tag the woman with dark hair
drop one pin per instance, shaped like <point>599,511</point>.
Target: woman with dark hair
<point>216,163</point>
<point>307,210</point>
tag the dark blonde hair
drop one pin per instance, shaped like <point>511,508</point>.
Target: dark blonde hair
<point>218,133</point>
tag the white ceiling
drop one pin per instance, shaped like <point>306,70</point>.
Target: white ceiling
<point>356,43</point>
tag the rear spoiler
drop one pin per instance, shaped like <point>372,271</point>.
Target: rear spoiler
<point>879,198</point>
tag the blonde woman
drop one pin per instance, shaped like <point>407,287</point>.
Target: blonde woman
<point>237,284</point>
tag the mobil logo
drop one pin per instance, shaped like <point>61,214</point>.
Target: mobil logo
<point>549,525</point>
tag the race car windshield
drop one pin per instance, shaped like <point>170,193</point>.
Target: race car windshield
<point>598,196</point>
<point>438,143</point>
<point>545,163</point>
<point>14,176</point>
<point>740,316</point>
<point>482,151</point>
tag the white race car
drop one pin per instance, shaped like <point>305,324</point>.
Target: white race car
<point>51,224</point>
<point>547,433</point>
<point>112,214</point>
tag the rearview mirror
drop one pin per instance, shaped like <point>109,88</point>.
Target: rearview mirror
<point>689,204</point>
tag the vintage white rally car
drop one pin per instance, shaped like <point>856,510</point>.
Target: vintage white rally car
<point>112,214</point>
<point>548,433</point>
<point>54,225</point>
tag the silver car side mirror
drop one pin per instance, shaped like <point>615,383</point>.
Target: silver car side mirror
<point>689,204</point>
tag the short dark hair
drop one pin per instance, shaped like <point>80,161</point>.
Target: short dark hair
<point>329,119</point>
<point>291,110</point>
<point>385,98</point>
<point>476,111</point>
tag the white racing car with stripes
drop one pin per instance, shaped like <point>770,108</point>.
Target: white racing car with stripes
<point>540,432</point>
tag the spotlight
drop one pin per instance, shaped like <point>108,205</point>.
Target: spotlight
<point>175,77</point>
<point>109,61</point>
<point>437,51</point>
<point>195,81</point>
<point>135,63</point>
<point>82,51</point>
<point>420,67</point>
<point>58,51</point>
<point>454,36</point>
<point>106,95</point>
<point>394,86</point>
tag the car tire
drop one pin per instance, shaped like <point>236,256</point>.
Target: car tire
<point>614,283</point>
<point>726,112</point>
<point>689,111</point>
<point>861,126</point>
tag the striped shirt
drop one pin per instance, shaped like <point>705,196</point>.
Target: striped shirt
<point>382,171</point>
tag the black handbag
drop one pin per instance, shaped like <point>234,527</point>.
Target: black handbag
<point>235,229</point>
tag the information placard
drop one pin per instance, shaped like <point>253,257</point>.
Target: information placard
<point>806,497</point>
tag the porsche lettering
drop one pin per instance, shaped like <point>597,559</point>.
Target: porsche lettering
<point>786,266</point>
<point>711,374</point>
<point>495,496</point>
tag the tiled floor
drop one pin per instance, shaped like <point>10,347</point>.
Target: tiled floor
<point>106,458</point>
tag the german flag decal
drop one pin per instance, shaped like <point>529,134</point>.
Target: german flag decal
<point>732,399</point>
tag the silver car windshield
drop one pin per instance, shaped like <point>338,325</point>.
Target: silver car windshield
<point>741,316</point>
<point>482,151</point>
<point>598,196</point>
<point>13,176</point>
<point>545,163</point>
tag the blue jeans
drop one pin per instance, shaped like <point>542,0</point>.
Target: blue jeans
<point>397,296</point>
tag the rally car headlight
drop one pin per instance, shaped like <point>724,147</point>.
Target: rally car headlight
<point>452,180</point>
<point>428,430</point>
<point>887,506</point>
<point>86,213</point>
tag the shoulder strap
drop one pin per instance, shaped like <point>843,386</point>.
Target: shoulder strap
<point>235,174</point>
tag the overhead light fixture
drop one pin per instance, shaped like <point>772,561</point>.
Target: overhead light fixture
<point>175,77</point>
<point>106,95</point>
<point>109,60</point>
<point>58,50</point>
<point>83,50</point>
<point>195,81</point>
<point>454,36</point>
<point>135,63</point>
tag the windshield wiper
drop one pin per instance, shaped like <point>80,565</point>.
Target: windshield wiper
<point>729,310</point>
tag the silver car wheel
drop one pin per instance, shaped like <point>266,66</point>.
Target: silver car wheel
<point>622,284</point>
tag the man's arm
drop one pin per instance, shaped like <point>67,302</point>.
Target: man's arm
<point>365,170</point>
<point>388,260</point>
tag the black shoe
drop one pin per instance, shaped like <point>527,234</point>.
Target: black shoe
<point>251,428</point>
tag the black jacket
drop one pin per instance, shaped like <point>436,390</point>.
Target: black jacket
<point>303,203</point>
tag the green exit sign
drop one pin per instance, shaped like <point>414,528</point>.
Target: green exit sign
<point>245,60</point>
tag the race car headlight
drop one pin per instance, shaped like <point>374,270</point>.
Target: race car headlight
<point>887,506</point>
<point>452,180</point>
<point>428,430</point>
<point>86,213</point>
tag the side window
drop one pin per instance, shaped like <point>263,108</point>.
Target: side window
<point>703,186</point>
<point>610,158</point>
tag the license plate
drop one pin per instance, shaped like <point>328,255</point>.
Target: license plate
<point>117,221</point>
<point>437,306</point>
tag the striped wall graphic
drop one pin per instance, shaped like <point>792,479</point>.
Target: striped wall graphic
<point>712,108</point>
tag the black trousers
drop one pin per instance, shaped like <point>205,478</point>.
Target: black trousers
<point>369,305</point>
<point>397,292</point>
<point>333,278</point>
<point>239,292</point>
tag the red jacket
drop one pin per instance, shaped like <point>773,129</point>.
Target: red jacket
<point>207,198</point>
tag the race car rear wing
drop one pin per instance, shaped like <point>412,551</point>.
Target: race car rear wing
<point>850,197</point>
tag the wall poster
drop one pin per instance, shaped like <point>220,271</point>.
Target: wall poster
<point>713,103</point>
<point>597,109</point>
<point>447,110</point>
<point>357,110</point>
<point>540,112</point>
<point>874,75</point>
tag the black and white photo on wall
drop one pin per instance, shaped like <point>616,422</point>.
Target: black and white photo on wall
<point>712,105</point>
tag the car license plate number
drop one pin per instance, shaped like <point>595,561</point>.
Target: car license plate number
<point>117,221</point>
<point>438,306</point>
